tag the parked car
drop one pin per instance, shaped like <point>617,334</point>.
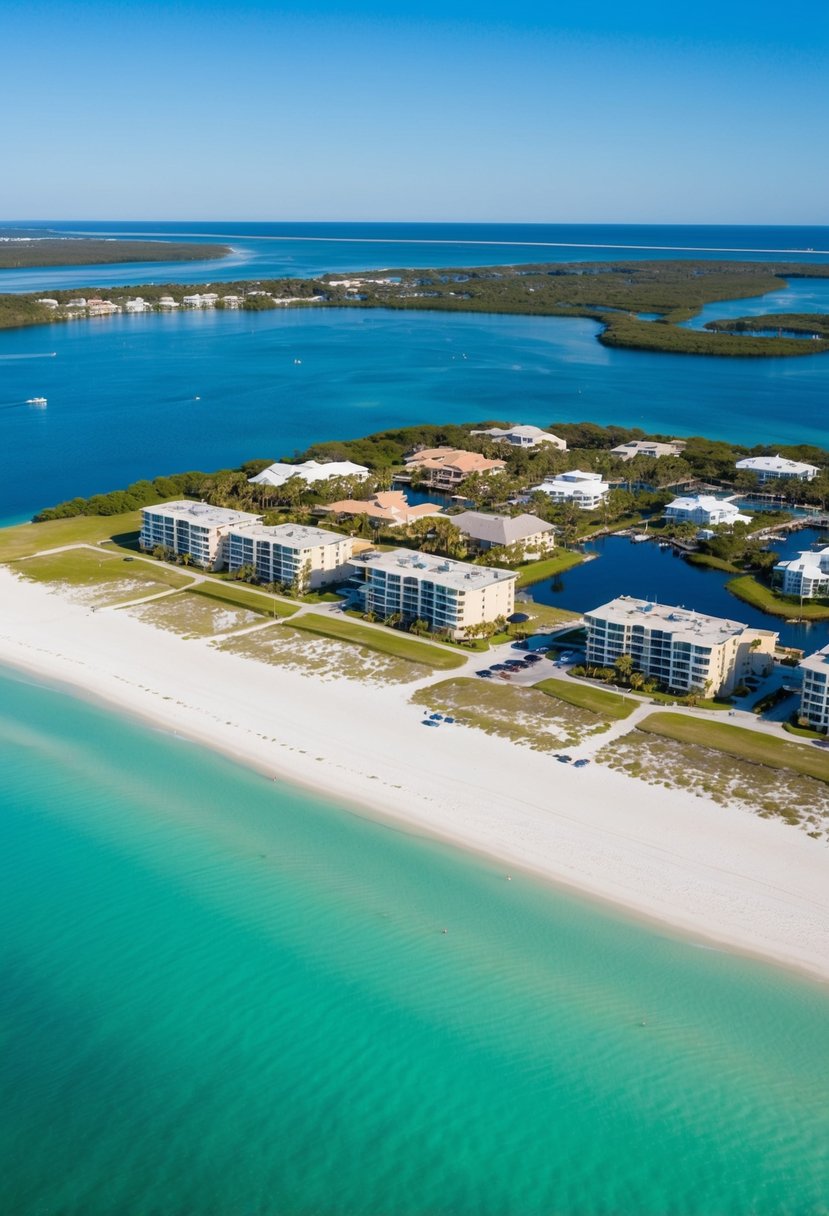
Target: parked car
<point>564,759</point>
<point>485,674</point>
<point>580,763</point>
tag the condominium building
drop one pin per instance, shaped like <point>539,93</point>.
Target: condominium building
<point>449,595</point>
<point>586,490</point>
<point>814,699</point>
<point>291,554</point>
<point>647,447</point>
<point>309,471</point>
<point>483,531</point>
<point>806,575</point>
<point>193,528</point>
<point>778,468</point>
<point>446,468</point>
<point>705,509</point>
<point>524,437</point>
<point>682,650</point>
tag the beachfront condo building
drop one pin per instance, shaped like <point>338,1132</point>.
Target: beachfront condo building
<point>448,595</point>
<point>685,651</point>
<point>291,554</point>
<point>192,528</point>
<point>586,490</point>
<point>778,468</point>
<point>705,509</point>
<point>806,575</point>
<point>524,437</point>
<point>814,699</point>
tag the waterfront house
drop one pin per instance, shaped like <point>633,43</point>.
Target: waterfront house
<point>586,490</point>
<point>806,575</point>
<point>483,532</point>
<point>388,507</point>
<point>448,595</point>
<point>778,468</point>
<point>291,554</point>
<point>193,528</point>
<point>647,447</point>
<point>445,468</point>
<point>97,307</point>
<point>814,697</point>
<point>524,437</point>
<point>310,471</point>
<point>167,303</point>
<point>706,510</point>
<point>685,651</point>
<point>48,302</point>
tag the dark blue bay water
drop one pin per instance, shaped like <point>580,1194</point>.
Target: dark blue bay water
<point>267,250</point>
<point>646,571</point>
<point>222,997</point>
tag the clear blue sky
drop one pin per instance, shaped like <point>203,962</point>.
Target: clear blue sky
<point>630,112</point>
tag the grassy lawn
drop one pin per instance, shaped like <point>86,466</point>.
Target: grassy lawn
<point>737,741</point>
<point>711,562</point>
<point>597,700</point>
<point>537,572</point>
<point>544,616</point>
<point>323,657</point>
<point>523,715</point>
<point>240,596</point>
<point>195,616</point>
<point>114,580</point>
<point>26,539</point>
<point>385,641</point>
<point>805,732</point>
<point>667,698</point>
<point>748,589</point>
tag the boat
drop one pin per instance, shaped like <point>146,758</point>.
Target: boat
<point>36,401</point>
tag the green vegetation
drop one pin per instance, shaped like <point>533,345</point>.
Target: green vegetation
<point>548,567</point>
<point>194,616</point>
<point>22,540</point>
<point>804,732</point>
<point>785,323</point>
<point>712,563</point>
<point>97,571</point>
<point>608,704</point>
<point>323,657</point>
<point>748,589</point>
<point>757,747</point>
<point>520,714</point>
<point>386,641</point>
<point>240,596</point>
<point>50,250</point>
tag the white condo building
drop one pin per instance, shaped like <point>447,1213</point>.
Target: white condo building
<point>777,468</point>
<point>310,471</point>
<point>448,594</point>
<point>194,528</point>
<point>705,509</point>
<point>291,554</point>
<point>586,490</point>
<point>806,575</point>
<point>682,650</point>
<point>814,699</point>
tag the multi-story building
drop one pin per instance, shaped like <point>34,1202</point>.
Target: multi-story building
<point>814,699</point>
<point>806,575</point>
<point>291,554</point>
<point>483,531</point>
<point>445,468</point>
<point>586,490</point>
<point>682,650</point>
<point>647,447</point>
<point>778,468</point>
<point>705,509</point>
<point>193,528</point>
<point>524,437</point>
<point>449,595</point>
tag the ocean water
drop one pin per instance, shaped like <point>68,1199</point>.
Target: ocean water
<point>135,396</point>
<point>271,250</point>
<point>222,997</point>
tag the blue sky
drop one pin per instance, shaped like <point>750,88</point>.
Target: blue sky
<point>627,112</point>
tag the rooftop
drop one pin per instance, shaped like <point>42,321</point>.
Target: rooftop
<point>681,623</point>
<point>499,529</point>
<point>310,470</point>
<point>774,464</point>
<point>819,661</point>
<point>443,570</point>
<point>295,536</point>
<point>202,513</point>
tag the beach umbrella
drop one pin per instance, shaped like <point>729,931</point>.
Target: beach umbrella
<point>517,618</point>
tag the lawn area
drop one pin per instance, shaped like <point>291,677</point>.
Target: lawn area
<point>26,539</point>
<point>240,596</point>
<point>385,641</point>
<point>737,741</point>
<point>108,578</point>
<point>521,714</point>
<point>597,700</point>
<point>748,589</point>
<point>195,616</point>
<point>325,658</point>
<point>537,572</point>
<point>711,563</point>
<point>543,616</point>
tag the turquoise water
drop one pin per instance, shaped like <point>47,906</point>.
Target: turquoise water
<point>224,997</point>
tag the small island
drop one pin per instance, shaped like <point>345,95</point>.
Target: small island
<point>32,248</point>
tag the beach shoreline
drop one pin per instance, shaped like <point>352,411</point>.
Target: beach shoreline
<point>721,877</point>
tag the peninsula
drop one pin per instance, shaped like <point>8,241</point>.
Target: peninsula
<point>51,249</point>
<point>639,305</point>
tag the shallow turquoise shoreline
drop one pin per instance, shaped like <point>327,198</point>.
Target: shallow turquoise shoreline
<point>223,995</point>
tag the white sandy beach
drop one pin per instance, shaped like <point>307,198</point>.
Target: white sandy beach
<point>722,875</point>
